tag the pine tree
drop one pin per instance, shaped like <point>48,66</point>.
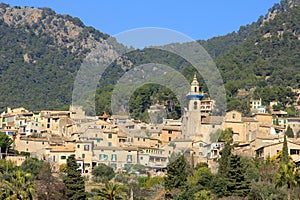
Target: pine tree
<point>75,188</point>
<point>176,173</point>
<point>285,152</point>
<point>237,182</point>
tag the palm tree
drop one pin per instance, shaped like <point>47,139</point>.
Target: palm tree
<point>112,191</point>
<point>20,186</point>
<point>286,176</point>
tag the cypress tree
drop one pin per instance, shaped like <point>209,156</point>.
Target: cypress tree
<point>285,152</point>
<point>75,188</point>
<point>289,132</point>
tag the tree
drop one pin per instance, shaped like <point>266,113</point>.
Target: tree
<point>265,190</point>
<point>74,182</point>
<point>285,152</point>
<point>201,180</point>
<point>289,132</point>
<point>204,195</point>
<point>286,176</point>
<point>224,161</point>
<point>103,173</point>
<point>19,186</point>
<point>226,135</point>
<point>237,181</point>
<point>49,187</point>
<point>5,143</point>
<point>140,168</point>
<point>112,191</point>
<point>176,173</point>
<point>32,166</point>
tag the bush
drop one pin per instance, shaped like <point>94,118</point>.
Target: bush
<point>102,173</point>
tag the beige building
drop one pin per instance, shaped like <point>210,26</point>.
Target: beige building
<point>116,157</point>
<point>16,159</point>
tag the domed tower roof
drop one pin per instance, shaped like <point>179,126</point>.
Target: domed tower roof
<point>195,90</point>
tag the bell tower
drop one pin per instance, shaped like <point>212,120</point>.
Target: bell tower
<point>192,118</point>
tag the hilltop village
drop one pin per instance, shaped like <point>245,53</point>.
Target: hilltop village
<point>121,142</point>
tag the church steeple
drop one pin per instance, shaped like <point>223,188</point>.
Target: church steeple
<point>195,86</point>
<point>195,92</point>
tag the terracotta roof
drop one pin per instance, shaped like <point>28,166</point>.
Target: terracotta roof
<point>107,148</point>
<point>62,149</point>
<point>213,120</point>
<point>248,119</point>
<point>121,133</point>
<point>173,128</point>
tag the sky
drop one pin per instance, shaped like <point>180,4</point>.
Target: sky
<point>197,19</point>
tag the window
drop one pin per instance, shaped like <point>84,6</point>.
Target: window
<point>144,139</point>
<point>86,147</point>
<point>141,157</point>
<point>110,135</point>
<point>233,116</point>
<point>129,158</point>
<point>48,125</point>
<point>109,144</point>
<point>98,140</point>
<point>195,105</point>
<point>170,139</point>
<point>53,159</point>
<point>83,155</point>
<point>113,157</point>
<point>96,135</point>
<point>78,146</point>
<point>294,151</point>
<point>103,157</point>
<point>200,144</point>
<point>170,132</point>
<point>63,157</point>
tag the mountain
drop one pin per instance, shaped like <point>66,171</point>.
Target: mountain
<point>217,46</point>
<point>41,52</point>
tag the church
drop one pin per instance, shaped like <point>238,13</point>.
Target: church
<point>196,118</point>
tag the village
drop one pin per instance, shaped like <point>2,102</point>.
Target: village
<point>121,142</point>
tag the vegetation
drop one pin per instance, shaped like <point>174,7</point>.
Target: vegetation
<point>5,143</point>
<point>32,166</point>
<point>103,173</point>
<point>74,182</point>
<point>259,59</point>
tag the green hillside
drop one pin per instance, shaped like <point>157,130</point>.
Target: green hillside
<point>41,54</point>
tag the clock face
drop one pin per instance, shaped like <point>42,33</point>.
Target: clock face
<point>195,105</point>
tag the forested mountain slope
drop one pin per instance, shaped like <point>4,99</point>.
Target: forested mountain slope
<point>41,52</point>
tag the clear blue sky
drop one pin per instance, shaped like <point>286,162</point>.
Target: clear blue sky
<point>197,19</point>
